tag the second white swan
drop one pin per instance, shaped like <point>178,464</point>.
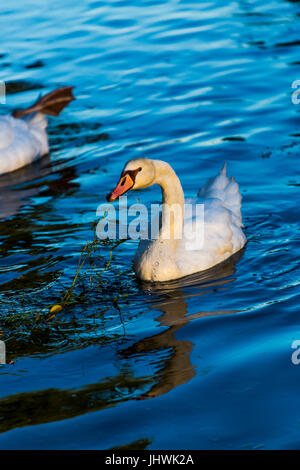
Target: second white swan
<point>23,135</point>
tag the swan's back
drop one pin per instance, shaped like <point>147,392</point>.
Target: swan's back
<point>220,234</point>
<point>23,136</point>
<point>22,141</point>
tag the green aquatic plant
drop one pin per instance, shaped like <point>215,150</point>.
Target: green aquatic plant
<point>29,321</point>
<point>87,252</point>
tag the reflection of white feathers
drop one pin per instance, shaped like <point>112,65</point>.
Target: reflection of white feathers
<point>14,188</point>
<point>222,233</point>
<point>22,141</point>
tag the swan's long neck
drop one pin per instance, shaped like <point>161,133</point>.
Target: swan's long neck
<point>172,203</point>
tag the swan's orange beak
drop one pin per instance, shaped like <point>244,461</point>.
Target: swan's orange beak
<point>126,182</point>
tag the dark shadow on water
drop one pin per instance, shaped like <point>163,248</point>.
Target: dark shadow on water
<point>22,228</point>
<point>35,65</point>
<point>13,186</point>
<point>175,368</point>
<point>28,409</point>
<point>73,134</point>
<point>140,444</point>
<point>17,86</point>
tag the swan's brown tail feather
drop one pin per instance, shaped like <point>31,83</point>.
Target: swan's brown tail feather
<point>52,103</point>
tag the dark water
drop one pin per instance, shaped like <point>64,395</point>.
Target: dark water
<point>199,364</point>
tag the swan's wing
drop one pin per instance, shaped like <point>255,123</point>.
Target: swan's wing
<point>210,236</point>
<point>227,191</point>
<point>6,132</point>
<point>21,142</point>
<point>212,226</point>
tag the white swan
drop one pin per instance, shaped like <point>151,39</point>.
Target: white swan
<point>172,254</point>
<point>23,135</point>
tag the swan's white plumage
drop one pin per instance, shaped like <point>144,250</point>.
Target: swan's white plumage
<point>22,141</point>
<point>23,136</point>
<point>168,257</point>
<point>222,234</point>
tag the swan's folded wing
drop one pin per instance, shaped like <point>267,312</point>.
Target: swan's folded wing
<point>19,144</point>
<point>6,132</point>
<point>227,191</point>
<point>211,235</point>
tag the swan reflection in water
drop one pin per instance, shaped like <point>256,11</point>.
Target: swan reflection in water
<point>22,228</point>
<point>18,187</point>
<point>177,368</point>
<point>15,187</point>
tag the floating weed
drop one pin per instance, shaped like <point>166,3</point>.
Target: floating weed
<point>87,252</point>
<point>32,323</point>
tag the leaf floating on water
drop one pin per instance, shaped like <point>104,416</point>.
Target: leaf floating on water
<point>56,308</point>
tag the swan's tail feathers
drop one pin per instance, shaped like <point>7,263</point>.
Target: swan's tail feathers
<point>52,103</point>
<point>227,191</point>
<point>215,185</point>
<point>224,168</point>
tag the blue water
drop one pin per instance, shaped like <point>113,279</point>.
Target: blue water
<point>200,364</point>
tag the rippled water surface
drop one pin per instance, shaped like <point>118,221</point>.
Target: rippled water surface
<point>200,364</point>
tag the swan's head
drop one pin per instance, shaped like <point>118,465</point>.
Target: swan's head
<point>138,173</point>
